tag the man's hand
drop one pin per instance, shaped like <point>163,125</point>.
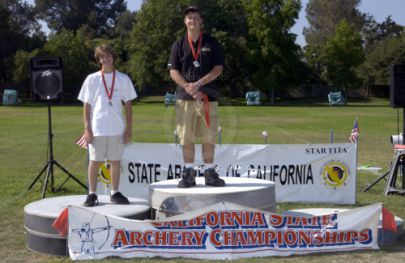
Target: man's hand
<point>192,88</point>
<point>198,96</point>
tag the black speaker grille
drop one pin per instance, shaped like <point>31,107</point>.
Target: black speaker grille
<point>48,84</point>
<point>46,63</point>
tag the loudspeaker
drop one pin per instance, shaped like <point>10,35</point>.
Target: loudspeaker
<point>46,75</point>
<point>397,87</point>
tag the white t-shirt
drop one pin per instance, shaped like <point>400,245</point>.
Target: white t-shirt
<point>107,120</point>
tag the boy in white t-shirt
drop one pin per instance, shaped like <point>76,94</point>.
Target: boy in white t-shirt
<point>103,94</point>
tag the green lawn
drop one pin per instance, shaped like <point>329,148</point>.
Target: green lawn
<point>23,153</point>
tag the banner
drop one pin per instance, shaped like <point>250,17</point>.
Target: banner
<point>320,173</point>
<point>221,231</point>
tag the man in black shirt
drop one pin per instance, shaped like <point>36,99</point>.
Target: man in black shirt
<point>195,62</point>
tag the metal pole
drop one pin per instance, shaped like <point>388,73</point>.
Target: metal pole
<point>331,136</point>
<point>403,142</point>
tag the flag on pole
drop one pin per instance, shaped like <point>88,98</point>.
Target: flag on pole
<point>388,220</point>
<point>82,142</point>
<point>355,132</point>
<point>61,223</point>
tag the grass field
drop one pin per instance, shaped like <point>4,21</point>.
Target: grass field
<point>23,153</point>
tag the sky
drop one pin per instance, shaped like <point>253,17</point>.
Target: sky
<point>380,9</point>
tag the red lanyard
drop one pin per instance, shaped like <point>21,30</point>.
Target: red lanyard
<point>195,56</point>
<point>206,110</point>
<point>190,43</point>
<point>109,95</point>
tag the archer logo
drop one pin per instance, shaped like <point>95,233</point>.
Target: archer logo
<point>335,174</point>
<point>93,234</point>
<point>46,73</point>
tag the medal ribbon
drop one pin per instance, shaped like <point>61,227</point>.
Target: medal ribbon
<point>109,95</point>
<point>190,43</point>
<point>206,110</point>
<point>195,56</point>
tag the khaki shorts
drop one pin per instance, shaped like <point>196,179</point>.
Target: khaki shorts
<point>106,147</point>
<point>191,123</point>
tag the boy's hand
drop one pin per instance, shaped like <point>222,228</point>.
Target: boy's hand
<point>88,135</point>
<point>127,136</point>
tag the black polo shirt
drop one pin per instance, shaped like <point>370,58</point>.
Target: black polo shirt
<point>181,59</point>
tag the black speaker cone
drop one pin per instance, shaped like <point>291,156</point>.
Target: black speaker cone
<point>47,84</point>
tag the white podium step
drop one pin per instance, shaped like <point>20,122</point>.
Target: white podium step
<point>40,215</point>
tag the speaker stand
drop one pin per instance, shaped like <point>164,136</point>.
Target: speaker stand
<point>49,166</point>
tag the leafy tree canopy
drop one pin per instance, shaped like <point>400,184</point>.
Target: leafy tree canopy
<point>342,54</point>
<point>98,15</point>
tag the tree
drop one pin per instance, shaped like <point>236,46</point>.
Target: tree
<point>21,72</point>
<point>374,32</point>
<point>99,15</point>
<point>323,17</point>
<point>124,24</point>
<point>19,30</point>
<point>383,47</point>
<point>376,68</point>
<point>272,47</point>
<point>342,54</point>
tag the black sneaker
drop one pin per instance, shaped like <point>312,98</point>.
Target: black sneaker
<point>119,198</point>
<point>188,178</point>
<point>91,200</point>
<point>212,178</point>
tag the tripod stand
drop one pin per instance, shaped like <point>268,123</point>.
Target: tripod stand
<point>397,164</point>
<point>49,177</point>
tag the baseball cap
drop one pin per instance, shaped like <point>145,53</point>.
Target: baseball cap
<point>191,8</point>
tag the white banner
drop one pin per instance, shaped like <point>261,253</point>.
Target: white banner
<point>321,173</point>
<point>221,231</point>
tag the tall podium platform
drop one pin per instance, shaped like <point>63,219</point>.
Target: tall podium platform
<point>166,199</point>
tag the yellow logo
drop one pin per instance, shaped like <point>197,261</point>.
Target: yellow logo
<point>335,174</point>
<point>104,175</point>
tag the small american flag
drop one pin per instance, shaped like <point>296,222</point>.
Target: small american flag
<point>355,132</point>
<point>82,142</point>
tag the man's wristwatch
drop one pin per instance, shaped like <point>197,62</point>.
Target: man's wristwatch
<point>199,84</point>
